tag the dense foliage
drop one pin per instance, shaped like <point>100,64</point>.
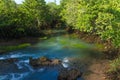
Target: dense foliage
<point>27,19</point>
<point>98,17</point>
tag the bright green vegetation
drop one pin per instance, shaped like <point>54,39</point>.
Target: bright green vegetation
<point>12,48</point>
<point>75,45</point>
<point>100,17</point>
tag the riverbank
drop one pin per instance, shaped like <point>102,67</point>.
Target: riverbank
<point>107,68</point>
<point>16,44</point>
<point>7,45</point>
<point>97,70</point>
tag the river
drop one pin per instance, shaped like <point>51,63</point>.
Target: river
<point>70,50</point>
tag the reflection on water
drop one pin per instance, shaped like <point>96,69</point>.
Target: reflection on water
<point>66,48</point>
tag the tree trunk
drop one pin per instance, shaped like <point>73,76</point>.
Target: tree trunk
<point>38,23</point>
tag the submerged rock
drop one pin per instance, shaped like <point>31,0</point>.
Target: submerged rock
<point>55,62</point>
<point>44,61</point>
<point>72,74</point>
<point>7,65</point>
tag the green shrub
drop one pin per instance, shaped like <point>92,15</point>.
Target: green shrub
<point>12,48</point>
<point>98,17</point>
<point>115,65</point>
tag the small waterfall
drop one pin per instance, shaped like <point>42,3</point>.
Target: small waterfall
<point>65,62</point>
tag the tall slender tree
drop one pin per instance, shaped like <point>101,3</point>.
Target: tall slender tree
<point>35,9</point>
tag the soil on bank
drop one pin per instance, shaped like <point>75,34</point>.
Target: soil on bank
<point>98,70</point>
<point>13,42</point>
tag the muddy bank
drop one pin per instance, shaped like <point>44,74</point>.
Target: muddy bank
<point>15,44</point>
<point>106,47</point>
<point>114,75</point>
<point>27,40</point>
<point>99,70</point>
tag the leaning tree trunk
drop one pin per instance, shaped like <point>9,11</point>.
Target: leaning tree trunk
<point>38,23</point>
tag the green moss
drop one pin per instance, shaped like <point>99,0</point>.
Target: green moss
<point>79,46</point>
<point>12,48</point>
<point>63,42</point>
<point>74,35</point>
<point>43,38</point>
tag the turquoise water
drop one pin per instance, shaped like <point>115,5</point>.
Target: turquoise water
<point>64,47</point>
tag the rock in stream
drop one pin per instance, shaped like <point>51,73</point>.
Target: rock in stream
<point>44,61</point>
<point>69,74</point>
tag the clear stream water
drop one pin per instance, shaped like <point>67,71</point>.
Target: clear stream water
<point>63,47</point>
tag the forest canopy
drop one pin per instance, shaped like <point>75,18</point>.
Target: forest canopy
<point>101,17</point>
<point>26,19</point>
